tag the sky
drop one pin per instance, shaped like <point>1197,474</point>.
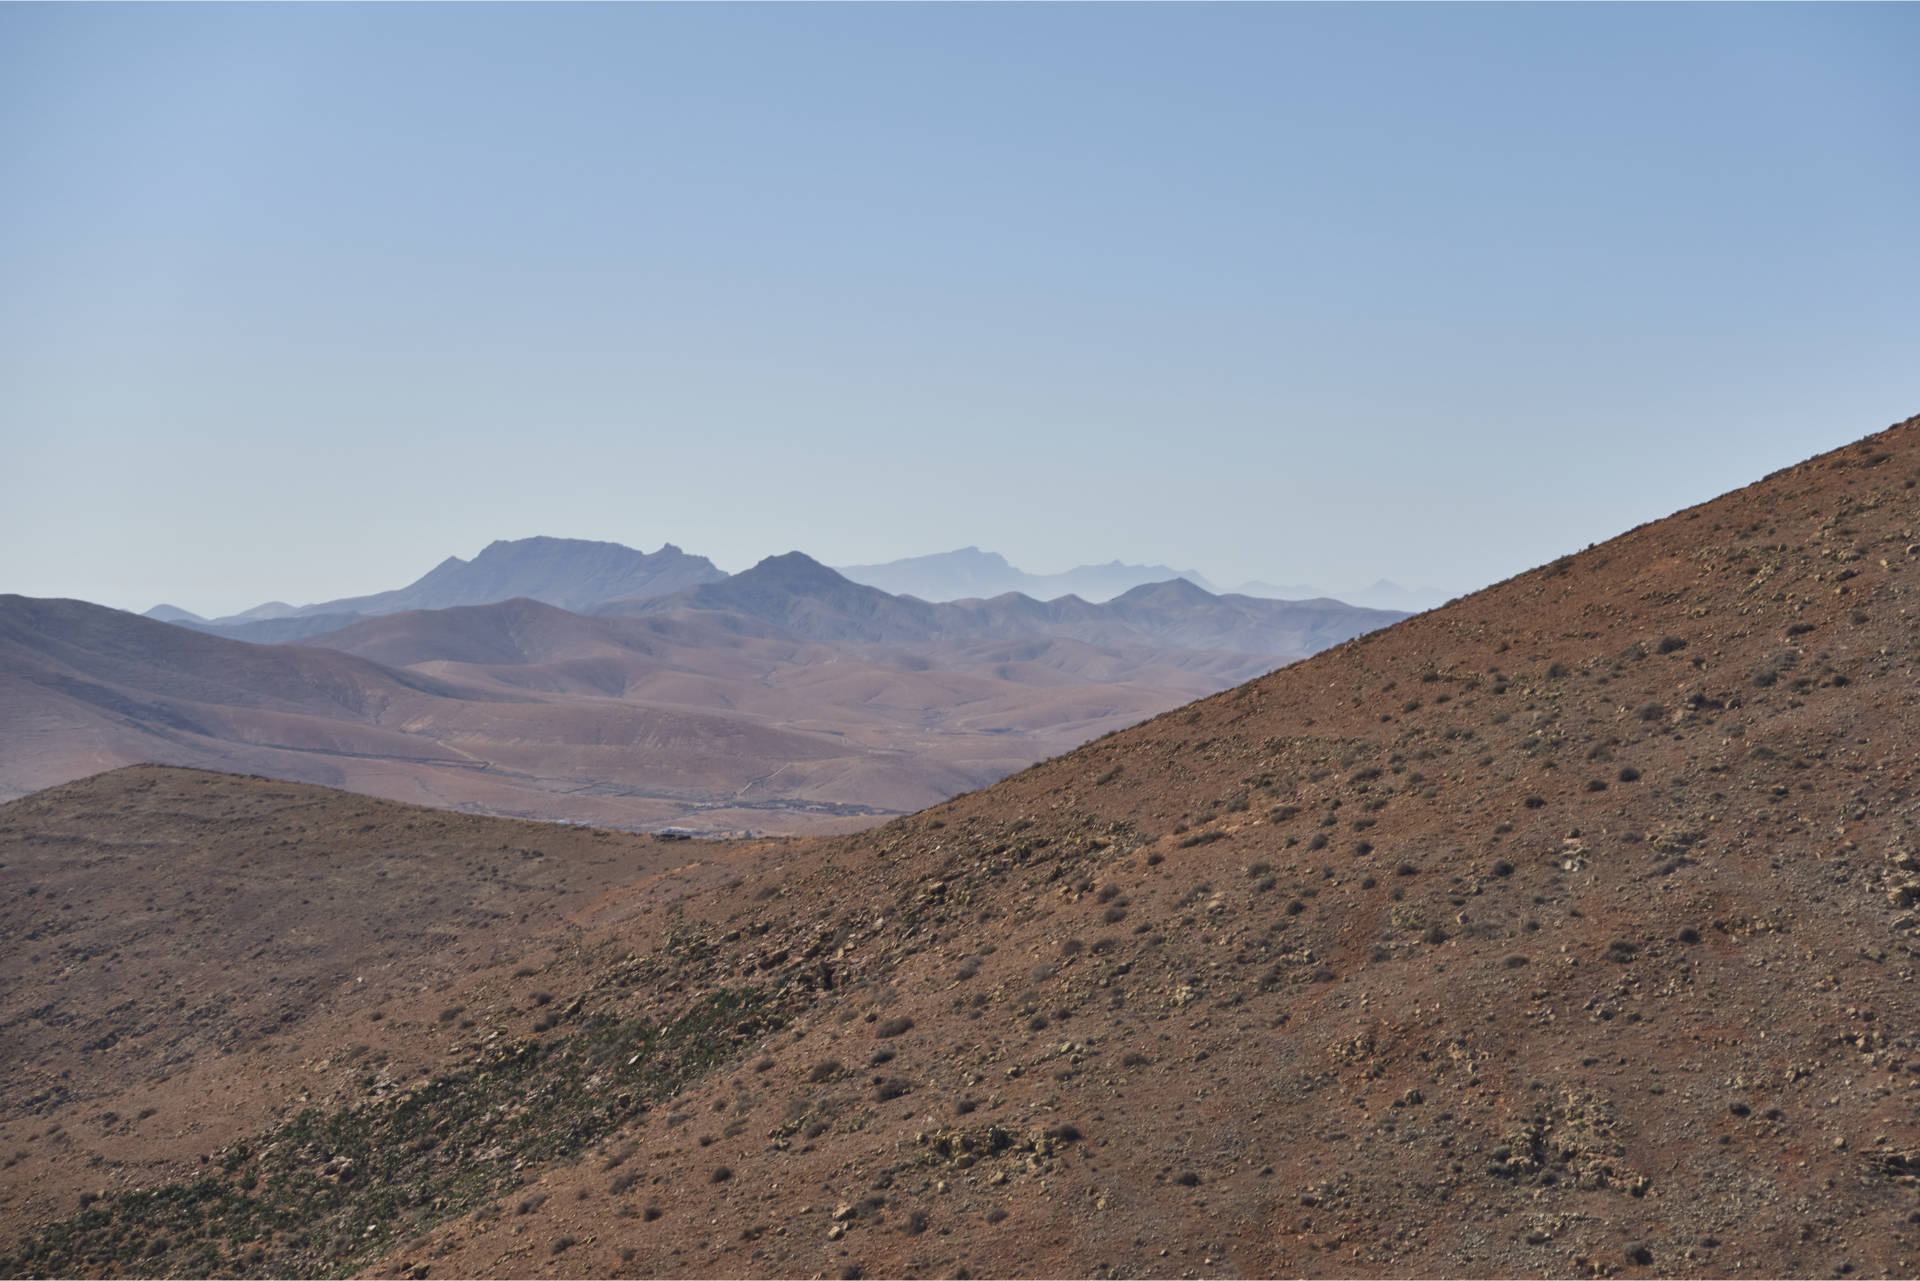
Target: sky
<point>296,301</point>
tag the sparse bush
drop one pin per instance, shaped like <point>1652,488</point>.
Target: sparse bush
<point>894,1026</point>
<point>824,1070</point>
<point>1671,644</point>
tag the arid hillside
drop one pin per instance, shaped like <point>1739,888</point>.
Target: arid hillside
<point>1569,929</point>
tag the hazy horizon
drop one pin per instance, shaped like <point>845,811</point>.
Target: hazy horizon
<point>302,300</point>
<point>408,577</point>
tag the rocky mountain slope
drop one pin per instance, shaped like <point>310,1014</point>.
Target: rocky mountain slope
<point>1568,929</point>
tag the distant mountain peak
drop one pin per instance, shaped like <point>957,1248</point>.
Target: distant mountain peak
<point>1180,589</point>
<point>172,614</point>
<point>570,573</point>
<point>793,569</point>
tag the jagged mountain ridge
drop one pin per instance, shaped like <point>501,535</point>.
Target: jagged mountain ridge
<point>797,593</point>
<point>572,573</point>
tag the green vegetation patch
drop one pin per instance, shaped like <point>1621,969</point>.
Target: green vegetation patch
<point>320,1194</point>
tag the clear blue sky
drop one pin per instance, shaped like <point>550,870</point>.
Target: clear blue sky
<point>297,300</point>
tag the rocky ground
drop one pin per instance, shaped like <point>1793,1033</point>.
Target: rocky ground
<point>1569,929</point>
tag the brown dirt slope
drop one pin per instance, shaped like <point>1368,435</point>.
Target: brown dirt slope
<point>173,935</point>
<point>1567,930</point>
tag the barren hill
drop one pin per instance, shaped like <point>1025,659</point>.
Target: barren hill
<point>1568,929</point>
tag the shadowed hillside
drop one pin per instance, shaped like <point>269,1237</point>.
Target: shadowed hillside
<point>1569,929</point>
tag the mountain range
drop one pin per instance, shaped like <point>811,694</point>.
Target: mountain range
<point>785,698</point>
<point>572,573</point>
<point>970,573</point>
<point>1568,929</point>
<point>798,594</point>
<point>584,576</point>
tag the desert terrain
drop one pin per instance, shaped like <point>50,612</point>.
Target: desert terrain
<point>1568,929</point>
